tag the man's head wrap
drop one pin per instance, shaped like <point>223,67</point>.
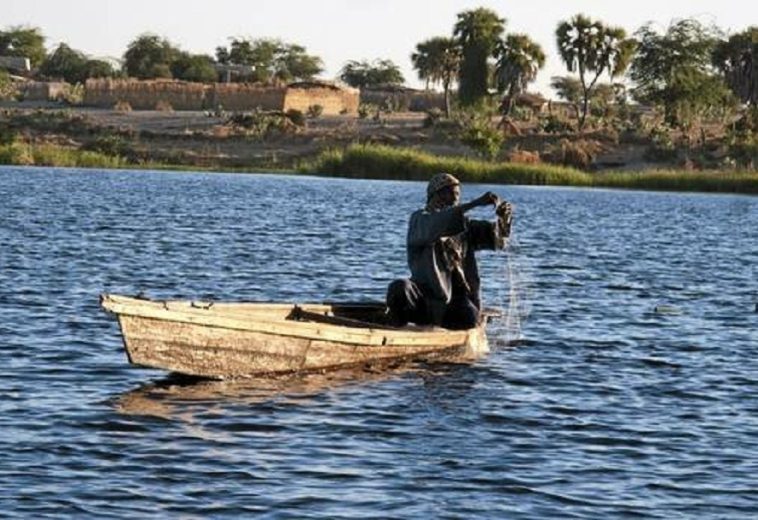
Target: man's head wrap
<point>439,181</point>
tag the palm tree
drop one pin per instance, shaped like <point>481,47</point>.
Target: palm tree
<point>590,47</point>
<point>519,60</point>
<point>437,61</point>
<point>477,31</point>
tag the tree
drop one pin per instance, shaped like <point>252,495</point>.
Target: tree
<point>294,63</point>
<point>737,59</point>
<point>99,69</point>
<point>362,74</point>
<point>592,48</point>
<point>570,90</point>
<point>519,60</point>
<point>73,66</point>
<point>194,67</point>
<point>65,63</point>
<point>674,71</point>
<point>477,32</point>
<point>437,60</point>
<point>149,56</point>
<point>25,42</point>
<point>272,59</point>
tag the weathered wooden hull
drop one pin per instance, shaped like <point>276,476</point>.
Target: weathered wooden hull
<point>246,339</point>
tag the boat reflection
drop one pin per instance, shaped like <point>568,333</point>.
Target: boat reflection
<point>175,396</point>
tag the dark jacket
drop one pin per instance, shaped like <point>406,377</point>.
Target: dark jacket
<point>441,242</point>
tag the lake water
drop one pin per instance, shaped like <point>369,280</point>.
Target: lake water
<point>632,391</point>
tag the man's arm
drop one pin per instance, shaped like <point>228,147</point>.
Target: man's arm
<point>484,200</point>
<point>426,227</point>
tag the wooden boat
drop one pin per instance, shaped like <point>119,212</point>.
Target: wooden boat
<point>228,340</point>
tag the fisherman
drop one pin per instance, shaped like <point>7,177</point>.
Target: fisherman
<point>444,286</point>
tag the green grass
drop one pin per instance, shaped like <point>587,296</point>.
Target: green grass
<point>385,162</point>
<point>54,155</point>
<point>677,180</point>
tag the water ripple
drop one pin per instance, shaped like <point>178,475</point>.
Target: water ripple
<point>630,391</point>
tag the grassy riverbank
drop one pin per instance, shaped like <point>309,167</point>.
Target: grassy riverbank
<point>384,162</point>
<point>23,154</point>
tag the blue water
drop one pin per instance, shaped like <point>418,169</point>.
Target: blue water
<point>631,392</point>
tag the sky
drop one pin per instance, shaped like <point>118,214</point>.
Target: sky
<point>342,30</point>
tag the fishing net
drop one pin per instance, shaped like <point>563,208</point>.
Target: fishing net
<point>514,295</point>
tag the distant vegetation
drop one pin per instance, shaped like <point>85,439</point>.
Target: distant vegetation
<point>689,92</point>
<point>384,162</point>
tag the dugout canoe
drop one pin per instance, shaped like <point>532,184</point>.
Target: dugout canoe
<point>231,340</point>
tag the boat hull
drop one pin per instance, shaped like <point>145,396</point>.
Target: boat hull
<point>239,340</point>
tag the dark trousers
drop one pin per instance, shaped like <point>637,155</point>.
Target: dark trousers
<point>407,304</point>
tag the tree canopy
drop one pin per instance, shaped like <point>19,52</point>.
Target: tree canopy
<point>194,67</point>
<point>26,42</point>
<point>590,48</point>
<point>149,56</point>
<point>674,71</point>
<point>272,59</point>
<point>73,66</point>
<point>737,59</point>
<point>437,61</point>
<point>361,74</point>
<point>478,32</point>
<point>519,60</point>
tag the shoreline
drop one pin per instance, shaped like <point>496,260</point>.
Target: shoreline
<point>400,146</point>
<point>374,161</point>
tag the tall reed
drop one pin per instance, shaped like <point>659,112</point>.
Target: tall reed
<point>385,162</point>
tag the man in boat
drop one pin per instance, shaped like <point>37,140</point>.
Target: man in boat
<point>444,286</point>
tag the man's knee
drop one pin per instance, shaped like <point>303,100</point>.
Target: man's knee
<point>402,293</point>
<point>461,314</point>
<point>404,301</point>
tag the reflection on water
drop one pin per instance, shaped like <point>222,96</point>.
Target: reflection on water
<point>171,396</point>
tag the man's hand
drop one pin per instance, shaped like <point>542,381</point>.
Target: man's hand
<point>504,208</point>
<point>487,199</point>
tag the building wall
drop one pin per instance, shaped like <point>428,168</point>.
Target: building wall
<point>244,96</point>
<point>333,100</point>
<point>147,95</point>
<point>43,90</point>
<point>144,95</point>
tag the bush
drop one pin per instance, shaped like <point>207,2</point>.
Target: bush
<point>743,148</point>
<point>296,116</point>
<point>552,124</point>
<point>575,154</point>
<point>112,145</point>
<point>662,146</point>
<point>8,90</point>
<point>524,157</point>
<point>259,123</point>
<point>7,135</point>
<point>433,117</point>
<point>163,106</point>
<point>479,134</point>
<point>122,106</point>
<point>72,94</point>
<point>315,111</point>
<point>365,109</point>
